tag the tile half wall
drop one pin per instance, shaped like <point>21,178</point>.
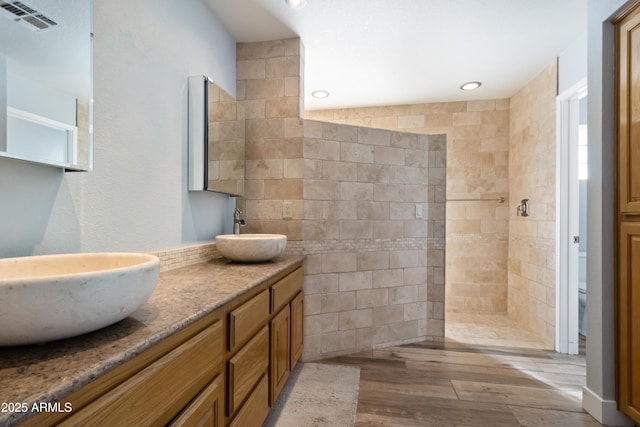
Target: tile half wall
<point>375,268</point>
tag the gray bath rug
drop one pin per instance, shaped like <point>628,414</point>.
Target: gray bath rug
<point>317,395</point>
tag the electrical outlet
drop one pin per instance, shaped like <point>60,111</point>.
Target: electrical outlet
<point>287,210</point>
<point>418,211</point>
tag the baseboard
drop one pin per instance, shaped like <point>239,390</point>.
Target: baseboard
<point>604,411</point>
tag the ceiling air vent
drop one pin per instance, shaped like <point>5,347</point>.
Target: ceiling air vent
<point>20,13</point>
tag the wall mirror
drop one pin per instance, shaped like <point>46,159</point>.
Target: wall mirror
<point>216,139</point>
<point>46,85</point>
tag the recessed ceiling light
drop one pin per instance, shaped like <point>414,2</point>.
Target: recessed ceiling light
<point>296,4</point>
<point>320,94</point>
<point>471,85</point>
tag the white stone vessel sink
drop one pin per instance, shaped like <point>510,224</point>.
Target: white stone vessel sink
<point>251,247</point>
<point>50,297</point>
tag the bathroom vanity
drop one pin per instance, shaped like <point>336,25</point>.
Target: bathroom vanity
<point>214,345</point>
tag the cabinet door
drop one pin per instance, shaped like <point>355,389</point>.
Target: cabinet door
<point>297,328</point>
<point>628,221</point>
<point>629,113</point>
<point>280,352</point>
<point>629,320</point>
<point>206,410</point>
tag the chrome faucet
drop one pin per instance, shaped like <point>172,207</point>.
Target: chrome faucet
<point>237,221</point>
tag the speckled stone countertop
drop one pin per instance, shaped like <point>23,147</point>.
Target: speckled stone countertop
<point>49,372</point>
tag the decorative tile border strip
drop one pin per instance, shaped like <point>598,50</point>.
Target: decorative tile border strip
<point>362,245</point>
<point>187,255</point>
<point>317,247</point>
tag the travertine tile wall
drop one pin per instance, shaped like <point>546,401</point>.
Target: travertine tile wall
<point>477,167</point>
<point>374,272</point>
<point>269,76</point>
<point>532,172</point>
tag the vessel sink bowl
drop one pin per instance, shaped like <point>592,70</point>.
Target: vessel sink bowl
<point>251,247</point>
<point>50,297</point>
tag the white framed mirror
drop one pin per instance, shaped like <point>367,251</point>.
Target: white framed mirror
<point>46,85</point>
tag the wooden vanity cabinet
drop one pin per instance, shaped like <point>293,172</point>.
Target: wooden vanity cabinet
<point>225,369</point>
<point>157,393</point>
<point>286,330</point>
<point>286,343</point>
<point>258,369</point>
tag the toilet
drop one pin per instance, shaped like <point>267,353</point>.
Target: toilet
<point>582,307</point>
<point>582,296</point>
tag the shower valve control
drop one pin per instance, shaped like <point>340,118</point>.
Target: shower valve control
<point>523,208</point>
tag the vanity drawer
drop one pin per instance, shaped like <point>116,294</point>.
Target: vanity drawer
<point>254,412</point>
<point>245,320</point>
<point>206,409</point>
<point>246,368</point>
<point>287,288</point>
<point>157,393</point>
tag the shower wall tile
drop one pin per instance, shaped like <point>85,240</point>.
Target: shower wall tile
<point>475,164</point>
<point>374,273</point>
<point>532,162</point>
<point>269,75</point>
<point>370,255</point>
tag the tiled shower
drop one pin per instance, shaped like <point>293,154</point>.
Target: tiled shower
<point>373,234</point>
<point>496,262</point>
<point>356,220</point>
<point>368,209</point>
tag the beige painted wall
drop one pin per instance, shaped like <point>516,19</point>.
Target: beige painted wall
<point>532,175</point>
<point>477,167</point>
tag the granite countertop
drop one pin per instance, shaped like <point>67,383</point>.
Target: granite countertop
<point>49,372</point>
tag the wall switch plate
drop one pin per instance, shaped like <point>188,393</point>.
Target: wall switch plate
<point>287,210</point>
<point>418,211</point>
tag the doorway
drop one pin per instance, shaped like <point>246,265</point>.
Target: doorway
<point>571,241</point>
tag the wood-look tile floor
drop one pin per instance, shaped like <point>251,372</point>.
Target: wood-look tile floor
<point>453,384</point>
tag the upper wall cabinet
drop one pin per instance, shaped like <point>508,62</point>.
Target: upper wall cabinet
<point>46,86</point>
<point>216,139</point>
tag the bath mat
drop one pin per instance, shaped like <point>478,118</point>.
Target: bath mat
<point>317,395</point>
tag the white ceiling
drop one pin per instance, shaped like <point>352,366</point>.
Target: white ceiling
<point>390,52</point>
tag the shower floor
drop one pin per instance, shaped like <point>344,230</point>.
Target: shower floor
<point>488,329</point>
